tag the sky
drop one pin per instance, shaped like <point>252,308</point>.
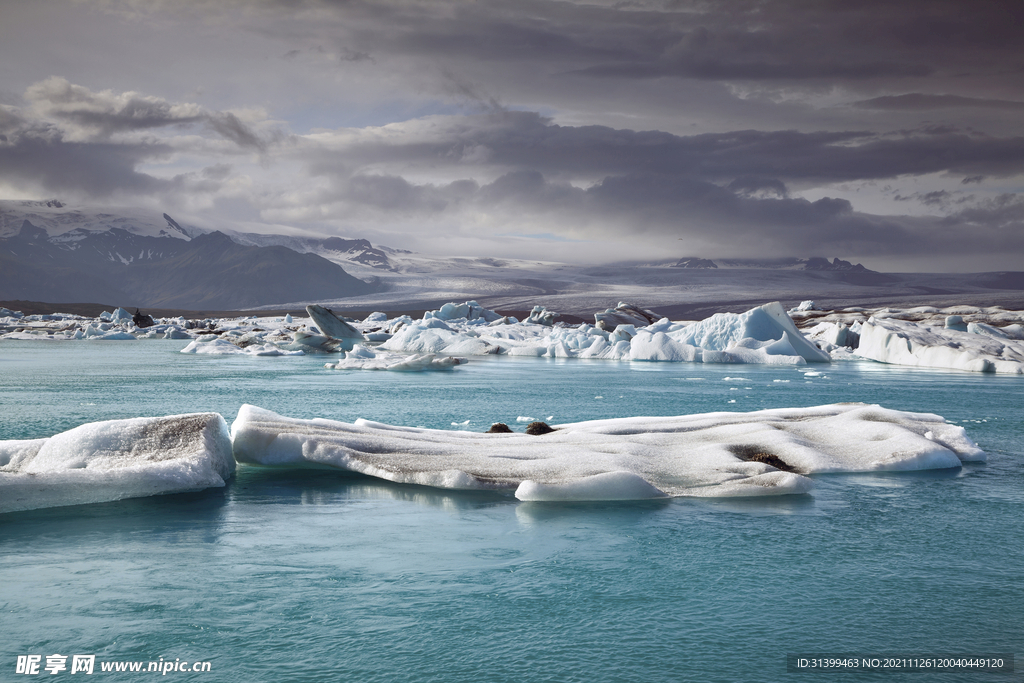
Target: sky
<point>886,133</point>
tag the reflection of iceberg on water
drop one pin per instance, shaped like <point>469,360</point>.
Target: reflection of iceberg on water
<point>761,453</point>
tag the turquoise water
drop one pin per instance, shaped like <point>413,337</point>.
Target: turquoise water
<point>308,576</point>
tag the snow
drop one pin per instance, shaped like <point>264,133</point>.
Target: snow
<point>116,459</point>
<point>707,455</point>
<point>903,342</point>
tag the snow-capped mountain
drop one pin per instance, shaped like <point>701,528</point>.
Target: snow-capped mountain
<point>152,261</point>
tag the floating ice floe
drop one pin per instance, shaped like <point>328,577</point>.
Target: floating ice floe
<point>222,347</point>
<point>362,358</point>
<point>903,342</point>
<point>768,452</point>
<point>117,459</point>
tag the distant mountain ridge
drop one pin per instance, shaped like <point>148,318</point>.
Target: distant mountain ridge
<point>205,271</point>
<point>791,263</point>
<point>332,248</point>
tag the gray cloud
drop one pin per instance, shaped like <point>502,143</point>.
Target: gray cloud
<point>104,114</point>
<point>97,169</point>
<point>920,101</point>
<point>621,123</point>
<point>525,140</point>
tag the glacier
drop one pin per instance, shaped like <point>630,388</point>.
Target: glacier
<point>762,453</point>
<point>114,460</point>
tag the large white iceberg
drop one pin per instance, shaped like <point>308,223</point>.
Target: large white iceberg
<point>768,452</point>
<point>903,342</point>
<point>116,459</point>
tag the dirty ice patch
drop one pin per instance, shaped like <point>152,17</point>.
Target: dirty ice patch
<point>116,459</point>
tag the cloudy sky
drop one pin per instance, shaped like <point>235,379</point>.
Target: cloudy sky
<point>889,133</point>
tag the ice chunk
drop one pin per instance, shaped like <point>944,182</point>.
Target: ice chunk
<point>114,335</point>
<point>542,316</point>
<point>332,326</point>
<point>120,316</point>
<point>767,452</point>
<point>223,347</point>
<point>955,322</point>
<point>660,347</point>
<point>174,332</point>
<point>361,358</point>
<point>764,323</point>
<point>117,459</point>
<point>905,343</point>
<point>624,314</point>
<point>304,341</point>
<point>470,310</point>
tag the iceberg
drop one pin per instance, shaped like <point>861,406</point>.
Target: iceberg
<point>222,347</point>
<point>762,335</point>
<point>332,326</point>
<point>768,452</point>
<point>362,358</point>
<point>624,314</point>
<point>116,459</point>
<point>470,310</point>
<point>767,323</point>
<point>902,342</point>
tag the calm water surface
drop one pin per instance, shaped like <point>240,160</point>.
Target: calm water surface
<point>307,576</point>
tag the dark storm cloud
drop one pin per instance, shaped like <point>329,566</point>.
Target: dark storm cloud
<point>98,169</point>
<point>745,40</point>
<point>524,140</point>
<point>671,206</point>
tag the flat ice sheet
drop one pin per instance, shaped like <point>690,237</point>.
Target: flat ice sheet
<point>116,459</point>
<point>712,454</point>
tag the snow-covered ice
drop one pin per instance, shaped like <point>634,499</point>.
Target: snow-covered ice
<point>768,452</point>
<point>116,459</point>
<point>907,343</point>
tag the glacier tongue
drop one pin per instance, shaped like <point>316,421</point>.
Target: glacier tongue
<point>767,452</point>
<point>116,459</point>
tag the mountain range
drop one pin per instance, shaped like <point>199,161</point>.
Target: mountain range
<point>175,268</point>
<point>55,252</point>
